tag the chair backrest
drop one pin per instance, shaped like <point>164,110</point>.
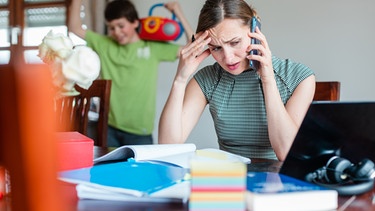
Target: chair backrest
<point>73,112</point>
<point>327,91</point>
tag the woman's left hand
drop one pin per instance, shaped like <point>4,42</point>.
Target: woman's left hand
<point>264,56</point>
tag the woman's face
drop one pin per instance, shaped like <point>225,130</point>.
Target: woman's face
<point>229,41</point>
<point>123,31</point>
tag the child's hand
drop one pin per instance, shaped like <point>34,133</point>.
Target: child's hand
<point>172,6</point>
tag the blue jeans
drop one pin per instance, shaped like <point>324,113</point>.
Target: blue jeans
<point>117,138</point>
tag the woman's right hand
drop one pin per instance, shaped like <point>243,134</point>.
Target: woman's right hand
<point>191,55</point>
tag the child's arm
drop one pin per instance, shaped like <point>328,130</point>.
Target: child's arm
<point>175,8</point>
<point>75,22</point>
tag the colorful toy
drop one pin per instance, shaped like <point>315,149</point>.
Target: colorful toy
<point>158,28</point>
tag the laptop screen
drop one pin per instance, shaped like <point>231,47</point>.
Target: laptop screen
<point>345,129</point>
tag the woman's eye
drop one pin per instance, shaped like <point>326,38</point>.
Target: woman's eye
<point>215,48</point>
<point>234,43</point>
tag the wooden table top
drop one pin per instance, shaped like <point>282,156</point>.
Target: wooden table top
<point>348,203</point>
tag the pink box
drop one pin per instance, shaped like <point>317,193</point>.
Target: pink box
<point>75,150</point>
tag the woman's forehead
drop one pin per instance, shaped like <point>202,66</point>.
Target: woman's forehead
<point>227,30</point>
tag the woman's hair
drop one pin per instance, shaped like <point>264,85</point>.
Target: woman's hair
<point>120,9</point>
<point>215,11</point>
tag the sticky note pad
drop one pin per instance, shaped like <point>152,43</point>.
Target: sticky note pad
<point>217,184</point>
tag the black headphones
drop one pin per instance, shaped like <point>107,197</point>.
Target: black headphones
<point>344,177</point>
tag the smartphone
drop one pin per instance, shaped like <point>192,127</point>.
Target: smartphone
<point>254,23</point>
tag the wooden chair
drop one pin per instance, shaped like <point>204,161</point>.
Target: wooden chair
<point>73,112</point>
<point>327,91</point>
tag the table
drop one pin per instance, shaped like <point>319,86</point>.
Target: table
<point>347,203</point>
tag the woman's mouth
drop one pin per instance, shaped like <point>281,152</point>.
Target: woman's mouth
<point>233,66</point>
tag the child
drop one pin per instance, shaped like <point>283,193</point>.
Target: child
<point>131,64</point>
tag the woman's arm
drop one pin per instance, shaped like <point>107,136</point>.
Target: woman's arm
<point>186,102</point>
<point>181,112</point>
<point>75,22</point>
<point>283,121</point>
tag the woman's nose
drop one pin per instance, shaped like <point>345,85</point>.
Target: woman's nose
<point>228,56</point>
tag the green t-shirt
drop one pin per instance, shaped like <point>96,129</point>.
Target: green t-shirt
<point>133,71</point>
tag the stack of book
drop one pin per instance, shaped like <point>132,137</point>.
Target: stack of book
<point>217,185</point>
<point>276,191</point>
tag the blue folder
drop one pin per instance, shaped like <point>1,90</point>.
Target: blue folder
<point>143,177</point>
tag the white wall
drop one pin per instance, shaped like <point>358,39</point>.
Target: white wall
<point>336,38</point>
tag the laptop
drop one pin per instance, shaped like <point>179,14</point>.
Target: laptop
<point>345,129</point>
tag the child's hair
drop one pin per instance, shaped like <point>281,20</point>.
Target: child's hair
<point>120,9</point>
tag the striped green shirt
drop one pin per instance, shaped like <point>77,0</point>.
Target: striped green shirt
<point>237,106</point>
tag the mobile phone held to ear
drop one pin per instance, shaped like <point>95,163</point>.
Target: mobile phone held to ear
<point>254,23</point>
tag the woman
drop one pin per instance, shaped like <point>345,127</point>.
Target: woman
<point>256,113</point>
